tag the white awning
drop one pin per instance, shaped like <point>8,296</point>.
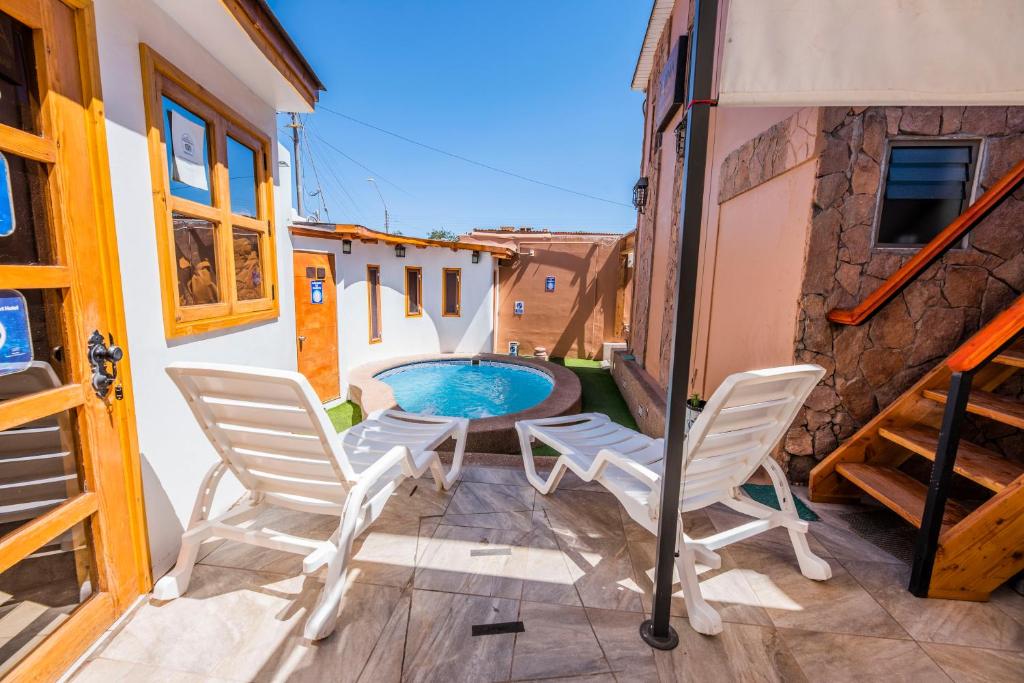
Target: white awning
<point>871,52</point>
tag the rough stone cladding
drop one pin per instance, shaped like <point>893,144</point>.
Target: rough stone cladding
<point>871,365</point>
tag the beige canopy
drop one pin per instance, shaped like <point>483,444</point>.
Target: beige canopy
<point>858,52</point>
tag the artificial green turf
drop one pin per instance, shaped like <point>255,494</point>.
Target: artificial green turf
<point>600,393</point>
<point>345,415</point>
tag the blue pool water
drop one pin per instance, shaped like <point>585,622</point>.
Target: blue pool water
<point>460,389</point>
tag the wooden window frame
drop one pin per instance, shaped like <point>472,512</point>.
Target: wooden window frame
<point>161,78</point>
<point>371,309</point>
<point>419,286</point>
<point>458,293</point>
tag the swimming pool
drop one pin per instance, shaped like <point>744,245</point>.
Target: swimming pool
<point>464,388</point>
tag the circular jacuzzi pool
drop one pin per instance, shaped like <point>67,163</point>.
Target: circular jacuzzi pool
<point>467,388</point>
<point>492,391</point>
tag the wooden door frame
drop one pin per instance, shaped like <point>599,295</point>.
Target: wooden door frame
<point>124,577</point>
<point>333,267</point>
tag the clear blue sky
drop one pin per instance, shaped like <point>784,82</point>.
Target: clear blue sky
<point>538,88</point>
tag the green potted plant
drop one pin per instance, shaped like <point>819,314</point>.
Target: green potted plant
<point>694,405</point>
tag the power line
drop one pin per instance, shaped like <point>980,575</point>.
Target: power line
<point>473,161</point>
<point>337,179</point>
<point>360,165</point>
<point>316,176</point>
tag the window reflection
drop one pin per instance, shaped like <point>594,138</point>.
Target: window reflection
<point>248,267</point>
<point>242,175</point>
<point>195,249</point>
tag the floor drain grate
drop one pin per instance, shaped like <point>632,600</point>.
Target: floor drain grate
<point>498,629</point>
<point>484,552</point>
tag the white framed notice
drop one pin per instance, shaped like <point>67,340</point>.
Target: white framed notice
<point>188,145</point>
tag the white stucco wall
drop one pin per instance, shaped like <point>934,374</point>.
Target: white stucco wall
<point>473,331</point>
<point>174,453</point>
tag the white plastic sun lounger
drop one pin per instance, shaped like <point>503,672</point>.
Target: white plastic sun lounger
<point>734,436</point>
<point>272,433</point>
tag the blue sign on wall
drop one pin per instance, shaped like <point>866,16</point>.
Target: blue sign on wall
<point>549,283</point>
<point>518,308</point>
<point>15,336</point>
<point>6,202</point>
<point>316,291</point>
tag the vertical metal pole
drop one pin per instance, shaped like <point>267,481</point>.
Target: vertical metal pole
<point>297,161</point>
<point>927,541</point>
<point>657,631</point>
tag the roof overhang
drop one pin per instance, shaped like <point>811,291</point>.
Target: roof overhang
<point>246,37</point>
<point>351,231</point>
<point>661,11</point>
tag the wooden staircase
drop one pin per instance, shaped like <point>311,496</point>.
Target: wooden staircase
<point>961,552</point>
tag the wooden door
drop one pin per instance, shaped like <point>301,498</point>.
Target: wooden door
<point>316,322</point>
<point>72,548</point>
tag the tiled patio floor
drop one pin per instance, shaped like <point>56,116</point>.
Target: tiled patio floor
<point>575,570</point>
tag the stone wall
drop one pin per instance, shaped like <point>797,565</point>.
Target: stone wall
<point>871,365</point>
<point>644,398</point>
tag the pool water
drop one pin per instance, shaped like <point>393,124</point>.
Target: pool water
<point>461,389</point>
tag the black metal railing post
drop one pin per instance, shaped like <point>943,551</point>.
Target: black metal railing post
<point>657,631</point>
<point>927,541</point>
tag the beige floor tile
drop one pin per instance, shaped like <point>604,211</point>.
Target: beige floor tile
<point>440,645</point>
<point>976,665</point>
<point>520,520</point>
<point>956,622</point>
<point>592,678</point>
<point>586,515</point>
<point>514,476</point>
<point>775,540</point>
<point>603,573</point>
<point>1010,602</point>
<point>386,552</point>
<point>473,497</point>
<point>740,653</point>
<point>619,636</point>
<point>835,657</point>
<point>558,641</point>
<point>100,670</point>
<point>365,612</point>
<point>838,605</point>
<point>385,662</point>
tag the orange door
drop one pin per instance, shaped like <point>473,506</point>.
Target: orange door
<point>72,547</point>
<point>316,322</point>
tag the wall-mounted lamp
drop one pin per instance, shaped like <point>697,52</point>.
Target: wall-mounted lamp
<point>640,194</point>
<point>346,246</point>
<point>400,250</point>
<point>681,138</point>
<point>476,257</point>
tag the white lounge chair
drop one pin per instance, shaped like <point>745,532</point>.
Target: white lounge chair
<point>272,433</point>
<point>735,434</point>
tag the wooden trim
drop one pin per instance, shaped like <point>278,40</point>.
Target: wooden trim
<point>31,536</point>
<point>35,277</point>
<point>931,252</point>
<point>273,41</point>
<point>349,231</point>
<point>22,144</point>
<point>458,292</point>
<point>161,78</point>
<point>18,411</point>
<point>419,286</point>
<point>371,309</point>
<point>990,339</point>
<point>26,11</point>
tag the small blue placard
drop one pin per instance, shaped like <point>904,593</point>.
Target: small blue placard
<point>549,283</point>
<point>15,336</point>
<point>6,202</point>
<point>513,348</point>
<point>519,308</point>
<point>316,291</point>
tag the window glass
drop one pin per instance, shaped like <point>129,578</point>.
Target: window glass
<point>413,292</point>
<point>195,251</point>
<point>373,299</point>
<point>19,90</point>
<point>189,169</point>
<point>242,178</point>
<point>451,291</point>
<point>926,188</point>
<point>248,265</point>
<point>24,220</point>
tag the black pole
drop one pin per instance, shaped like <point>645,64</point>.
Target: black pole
<point>657,631</point>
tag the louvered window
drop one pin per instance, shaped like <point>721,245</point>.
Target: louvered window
<point>926,188</point>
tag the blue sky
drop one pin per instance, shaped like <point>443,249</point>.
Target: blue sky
<point>536,88</point>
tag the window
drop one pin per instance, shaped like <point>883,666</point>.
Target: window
<point>413,292</point>
<point>926,188</point>
<point>373,302</point>
<point>213,201</point>
<point>452,304</point>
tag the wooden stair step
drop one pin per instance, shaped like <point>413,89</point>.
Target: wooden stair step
<point>1012,356</point>
<point>975,462</point>
<point>987,404</point>
<point>898,491</point>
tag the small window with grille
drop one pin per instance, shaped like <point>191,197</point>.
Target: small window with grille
<point>926,187</point>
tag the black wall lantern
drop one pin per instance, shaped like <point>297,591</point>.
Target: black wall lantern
<point>400,250</point>
<point>476,257</point>
<point>346,246</point>
<point>640,194</point>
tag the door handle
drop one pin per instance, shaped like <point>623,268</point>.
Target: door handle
<point>101,355</point>
<point>301,339</point>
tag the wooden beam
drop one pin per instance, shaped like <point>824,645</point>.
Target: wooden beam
<point>18,411</point>
<point>27,145</point>
<point>34,277</point>
<point>33,535</point>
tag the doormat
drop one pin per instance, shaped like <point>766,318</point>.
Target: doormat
<point>884,529</point>
<point>765,495</point>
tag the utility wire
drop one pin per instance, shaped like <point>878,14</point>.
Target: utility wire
<point>360,165</point>
<point>316,176</point>
<point>472,161</point>
<point>337,179</point>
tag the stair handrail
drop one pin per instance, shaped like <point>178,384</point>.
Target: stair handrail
<point>950,236</point>
<point>990,340</point>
